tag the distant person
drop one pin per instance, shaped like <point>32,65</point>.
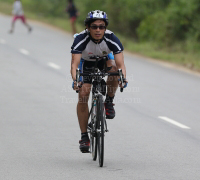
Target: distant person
<point>73,13</point>
<point>18,13</point>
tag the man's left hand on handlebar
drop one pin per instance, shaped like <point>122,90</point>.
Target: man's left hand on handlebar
<point>75,87</point>
<point>125,83</point>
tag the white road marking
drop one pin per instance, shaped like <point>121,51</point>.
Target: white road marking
<point>55,66</point>
<point>2,41</point>
<point>24,51</point>
<point>174,122</point>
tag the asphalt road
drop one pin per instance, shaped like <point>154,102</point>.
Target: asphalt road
<point>155,135</point>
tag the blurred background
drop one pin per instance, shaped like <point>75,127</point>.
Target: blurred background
<point>162,29</point>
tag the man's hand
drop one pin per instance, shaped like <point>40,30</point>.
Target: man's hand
<point>75,87</point>
<point>125,83</point>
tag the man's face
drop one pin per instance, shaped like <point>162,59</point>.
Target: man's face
<point>97,29</point>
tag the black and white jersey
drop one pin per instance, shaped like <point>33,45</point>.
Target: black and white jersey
<point>84,45</point>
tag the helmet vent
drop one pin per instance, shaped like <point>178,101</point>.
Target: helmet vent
<point>97,14</point>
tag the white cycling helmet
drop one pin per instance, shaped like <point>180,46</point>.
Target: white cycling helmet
<point>94,15</point>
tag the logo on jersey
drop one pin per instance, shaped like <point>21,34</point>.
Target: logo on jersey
<point>90,53</point>
<point>104,52</point>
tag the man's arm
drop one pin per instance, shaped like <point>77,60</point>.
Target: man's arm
<point>74,64</point>
<point>119,59</point>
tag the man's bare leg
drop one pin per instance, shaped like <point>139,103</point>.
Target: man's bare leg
<point>73,27</point>
<point>12,27</point>
<point>82,107</point>
<point>83,114</point>
<point>112,81</point>
<point>28,26</point>
<point>112,85</point>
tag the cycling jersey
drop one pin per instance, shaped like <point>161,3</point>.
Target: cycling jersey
<point>83,44</point>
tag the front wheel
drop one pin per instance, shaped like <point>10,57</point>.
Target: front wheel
<point>93,143</point>
<point>100,130</point>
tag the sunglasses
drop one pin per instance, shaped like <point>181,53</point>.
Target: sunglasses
<point>100,27</point>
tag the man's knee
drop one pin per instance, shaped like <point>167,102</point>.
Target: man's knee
<point>83,101</point>
<point>113,64</point>
<point>114,68</point>
<point>83,97</point>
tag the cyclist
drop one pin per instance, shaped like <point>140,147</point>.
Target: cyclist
<point>95,40</point>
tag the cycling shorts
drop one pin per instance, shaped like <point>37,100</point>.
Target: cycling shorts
<point>86,67</point>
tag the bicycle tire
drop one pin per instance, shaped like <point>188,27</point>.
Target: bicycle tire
<point>93,137</point>
<point>100,128</point>
<point>93,144</point>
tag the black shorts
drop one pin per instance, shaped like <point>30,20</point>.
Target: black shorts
<point>86,67</point>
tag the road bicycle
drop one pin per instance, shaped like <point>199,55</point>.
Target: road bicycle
<point>97,125</point>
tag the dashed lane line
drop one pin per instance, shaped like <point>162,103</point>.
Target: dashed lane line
<point>55,66</point>
<point>24,51</point>
<point>174,122</point>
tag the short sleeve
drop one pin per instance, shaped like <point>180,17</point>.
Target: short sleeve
<point>114,43</point>
<point>79,44</point>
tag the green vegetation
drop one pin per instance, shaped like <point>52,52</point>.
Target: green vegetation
<point>162,29</point>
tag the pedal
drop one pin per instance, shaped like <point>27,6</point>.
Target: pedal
<point>85,151</point>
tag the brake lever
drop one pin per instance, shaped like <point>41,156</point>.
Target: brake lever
<point>78,71</point>
<point>121,79</point>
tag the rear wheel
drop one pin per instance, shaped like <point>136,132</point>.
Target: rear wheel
<point>100,130</point>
